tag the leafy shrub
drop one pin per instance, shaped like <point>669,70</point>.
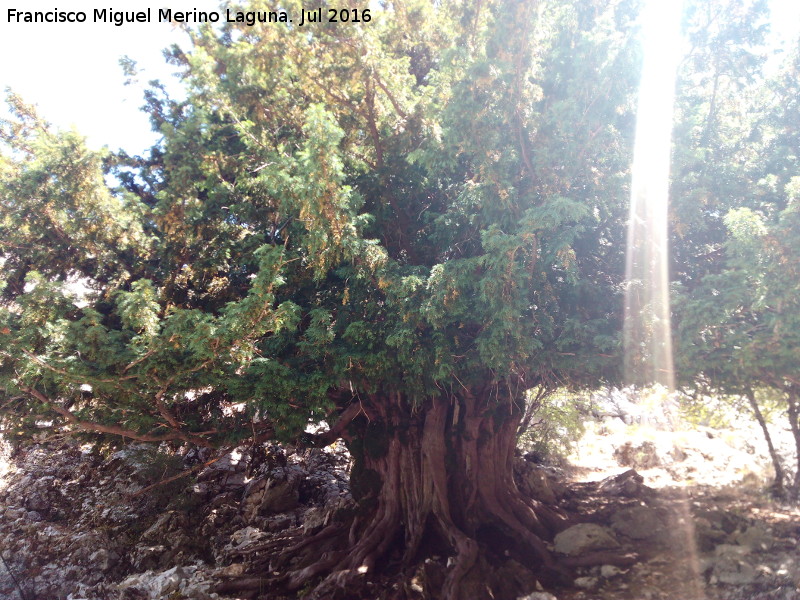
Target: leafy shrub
<point>556,425</point>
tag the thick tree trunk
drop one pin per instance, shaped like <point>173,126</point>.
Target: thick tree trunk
<point>777,486</point>
<point>440,480</point>
<point>432,480</point>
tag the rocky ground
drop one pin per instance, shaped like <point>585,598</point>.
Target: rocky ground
<point>688,503</point>
<point>73,525</point>
<point>694,507</point>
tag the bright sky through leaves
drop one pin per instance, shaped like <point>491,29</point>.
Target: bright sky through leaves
<point>53,66</point>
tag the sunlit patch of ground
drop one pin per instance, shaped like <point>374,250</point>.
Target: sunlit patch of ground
<point>682,457</point>
<point>703,479</point>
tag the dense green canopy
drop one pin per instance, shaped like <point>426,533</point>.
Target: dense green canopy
<point>426,200</point>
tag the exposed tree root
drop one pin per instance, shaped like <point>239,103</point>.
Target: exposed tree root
<point>436,481</point>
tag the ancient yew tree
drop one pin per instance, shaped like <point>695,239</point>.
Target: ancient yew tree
<point>396,226</point>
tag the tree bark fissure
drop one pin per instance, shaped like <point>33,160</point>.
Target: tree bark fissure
<point>435,480</point>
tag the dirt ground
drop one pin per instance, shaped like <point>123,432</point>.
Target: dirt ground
<point>725,539</point>
<point>689,503</point>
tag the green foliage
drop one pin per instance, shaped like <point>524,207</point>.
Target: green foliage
<point>739,319</point>
<point>138,309</point>
<point>717,412</point>
<point>557,425</point>
<point>431,202</point>
<point>736,302</point>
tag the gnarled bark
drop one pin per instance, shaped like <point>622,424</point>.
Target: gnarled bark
<point>435,479</point>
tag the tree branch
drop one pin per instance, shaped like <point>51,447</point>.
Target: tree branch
<point>64,372</point>
<point>113,429</point>
<point>392,99</point>
<point>335,432</point>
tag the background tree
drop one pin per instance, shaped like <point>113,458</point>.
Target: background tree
<point>716,137</point>
<point>736,240</point>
